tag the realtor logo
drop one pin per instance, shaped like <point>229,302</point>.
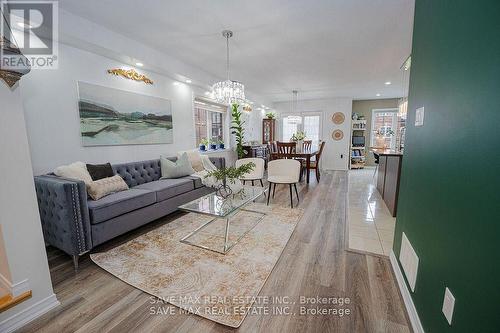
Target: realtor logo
<point>32,28</point>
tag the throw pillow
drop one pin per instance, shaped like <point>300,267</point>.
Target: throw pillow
<point>105,186</point>
<point>100,171</point>
<point>177,169</point>
<point>194,158</point>
<point>76,170</point>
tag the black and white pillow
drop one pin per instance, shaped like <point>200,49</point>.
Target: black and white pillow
<point>100,171</point>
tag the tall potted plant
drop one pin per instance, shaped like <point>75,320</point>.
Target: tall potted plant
<point>237,129</point>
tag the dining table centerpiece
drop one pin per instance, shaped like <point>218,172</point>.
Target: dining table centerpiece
<point>298,138</point>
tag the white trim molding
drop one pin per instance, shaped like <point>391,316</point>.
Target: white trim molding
<point>15,289</point>
<point>410,307</point>
<point>23,317</point>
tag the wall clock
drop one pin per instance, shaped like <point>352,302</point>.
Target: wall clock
<point>337,135</point>
<point>338,118</point>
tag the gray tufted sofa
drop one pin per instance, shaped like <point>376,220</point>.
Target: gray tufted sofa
<point>75,223</point>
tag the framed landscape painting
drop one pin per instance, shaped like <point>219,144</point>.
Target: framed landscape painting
<point>116,117</point>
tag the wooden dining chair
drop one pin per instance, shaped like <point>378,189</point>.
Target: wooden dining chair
<point>314,164</point>
<point>308,144</point>
<point>285,148</point>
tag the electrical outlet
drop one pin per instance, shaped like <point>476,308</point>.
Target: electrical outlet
<point>448,305</point>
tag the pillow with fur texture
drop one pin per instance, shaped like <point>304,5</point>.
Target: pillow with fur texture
<point>76,170</point>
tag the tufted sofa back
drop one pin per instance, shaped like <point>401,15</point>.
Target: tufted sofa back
<point>137,173</point>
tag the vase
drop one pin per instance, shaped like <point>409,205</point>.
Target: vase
<point>300,146</point>
<point>235,185</point>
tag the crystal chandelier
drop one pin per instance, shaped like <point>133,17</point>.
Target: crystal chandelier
<point>228,91</point>
<point>294,119</point>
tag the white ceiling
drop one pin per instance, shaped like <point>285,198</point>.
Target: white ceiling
<point>323,48</point>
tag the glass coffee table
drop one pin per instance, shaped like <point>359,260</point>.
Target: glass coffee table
<point>231,220</point>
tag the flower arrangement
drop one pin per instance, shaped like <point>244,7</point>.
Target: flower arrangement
<point>300,135</point>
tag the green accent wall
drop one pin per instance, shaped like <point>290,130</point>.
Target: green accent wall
<point>449,202</point>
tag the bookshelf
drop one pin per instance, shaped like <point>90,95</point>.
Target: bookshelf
<point>358,150</point>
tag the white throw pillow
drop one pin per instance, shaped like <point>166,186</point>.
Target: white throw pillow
<point>177,169</point>
<point>105,186</point>
<point>77,170</point>
<point>194,157</point>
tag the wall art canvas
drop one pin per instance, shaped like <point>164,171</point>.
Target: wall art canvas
<point>110,116</point>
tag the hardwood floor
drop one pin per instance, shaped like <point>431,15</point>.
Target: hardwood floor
<point>314,263</point>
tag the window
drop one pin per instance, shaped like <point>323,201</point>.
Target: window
<point>384,128</point>
<point>209,120</point>
<point>310,123</point>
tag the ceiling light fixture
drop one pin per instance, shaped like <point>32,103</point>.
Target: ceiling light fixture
<point>228,91</point>
<point>140,64</point>
<point>207,93</point>
<point>378,95</point>
<point>387,83</point>
<point>294,106</point>
<point>188,81</point>
<point>176,83</point>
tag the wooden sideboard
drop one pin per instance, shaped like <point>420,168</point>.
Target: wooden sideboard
<point>388,177</point>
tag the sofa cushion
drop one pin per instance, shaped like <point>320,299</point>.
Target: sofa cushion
<point>196,181</point>
<point>119,203</point>
<point>168,188</point>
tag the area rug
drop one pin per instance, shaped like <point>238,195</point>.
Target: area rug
<point>215,286</point>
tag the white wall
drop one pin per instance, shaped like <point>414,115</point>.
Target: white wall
<point>21,228</point>
<point>336,153</point>
<point>50,100</point>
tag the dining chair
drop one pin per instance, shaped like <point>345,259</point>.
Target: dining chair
<point>308,144</point>
<point>283,171</point>
<point>256,174</point>
<point>314,164</point>
<point>285,148</point>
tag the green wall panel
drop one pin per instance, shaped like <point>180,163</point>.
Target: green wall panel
<point>449,204</point>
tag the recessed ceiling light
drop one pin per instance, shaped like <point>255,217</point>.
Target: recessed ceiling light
<point>24,25</point>
<point>388,83</point>
<point>378,95</point>
<point>207,93</point>
<point>140,64</point>
<point>188,81</point>
<point>176,83</point>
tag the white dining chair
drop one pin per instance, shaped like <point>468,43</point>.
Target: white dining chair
<point>256,174</point>
<point>283,171</point>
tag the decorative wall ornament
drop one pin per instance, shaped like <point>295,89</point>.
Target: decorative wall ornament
<point>338,118</point>
<point>130,74</point>
<point>337,135</point>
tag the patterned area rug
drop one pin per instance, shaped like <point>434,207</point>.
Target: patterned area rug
<point>218,287</point>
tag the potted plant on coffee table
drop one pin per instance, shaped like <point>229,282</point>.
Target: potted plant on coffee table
<point>228,179</point>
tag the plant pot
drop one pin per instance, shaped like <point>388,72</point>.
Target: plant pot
<point>203,148</point>
<point>221,145</point>
<point>235,185</point>
<point>213,147</point>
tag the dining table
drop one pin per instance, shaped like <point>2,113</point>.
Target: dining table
<point>305,154</point>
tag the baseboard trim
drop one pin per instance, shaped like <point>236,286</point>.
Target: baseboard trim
<point>15,289</point>
<point>20,319</point>
<point>410,307</point>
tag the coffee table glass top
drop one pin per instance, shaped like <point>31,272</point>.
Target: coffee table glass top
<point>213,205</point>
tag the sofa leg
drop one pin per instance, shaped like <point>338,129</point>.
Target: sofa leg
<point>75,261</point>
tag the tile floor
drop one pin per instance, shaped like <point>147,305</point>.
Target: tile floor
<point>370,225</point>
